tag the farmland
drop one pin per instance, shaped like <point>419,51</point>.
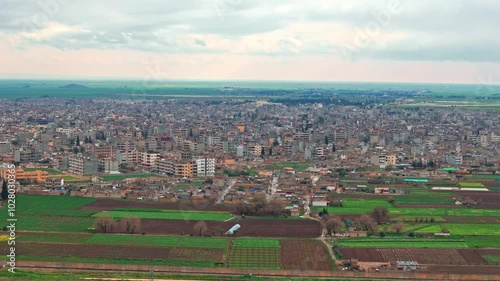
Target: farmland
<point>471,184</point>
<point>304,254</point>
<point>465,229</point>
<point>159,241</point>
<point>254,253</point>
<point>403,243</point>
<point>125,176</point>
<point>168,214</point>
<point>363,206</point>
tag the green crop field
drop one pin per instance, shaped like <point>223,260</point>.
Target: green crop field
<point>492,259</point>
<point>483,241</point>
<point>471,184</point>
<point>255,253</point>
<point>419,218</point>
<point>483,176</point>
<point>39,202</point>
<point>403,243</point>
<point>363,206</point>
<point>159,241</point>
<point>53,223</point>
<point>51,213</point>
<point>256,243</point>
<point>120,261</point>
<point>423,200</point>
<point>168,214</point>
<point>464,229</point>
<point>62,237</point>
<point>125,176</point>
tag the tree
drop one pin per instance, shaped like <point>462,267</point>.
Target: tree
<point>200,228</point>
<point>326,140</point>
<point>130,225</point>
<point>334,148</point>
<point>77,140</point>
<point>380,214</point>
<point>5,191</point>
<point>75,150</point>
<point>276,142</point>
<point>398,226</point>
<point>366,222</point>
<point>333,224</point>
<point>103,223</point>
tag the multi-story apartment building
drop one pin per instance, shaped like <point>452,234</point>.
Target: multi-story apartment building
<point>28,155</point>
<point>126,146</point>
<point>132,157</point>
<point>149,159</point>
<point>453,159</point>
<point>204,167</point>
<point>103,151</point>
<point>80,165</point>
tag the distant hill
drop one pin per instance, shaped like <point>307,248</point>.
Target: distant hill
<point>73,86</point>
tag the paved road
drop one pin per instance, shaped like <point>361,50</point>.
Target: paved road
<point>230,184</point>
<point>272,188</point>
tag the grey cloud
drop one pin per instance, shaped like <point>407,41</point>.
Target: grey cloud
<point>459,30</point>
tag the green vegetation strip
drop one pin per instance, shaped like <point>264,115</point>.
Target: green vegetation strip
<point>483,241</point>
<point>256,243</point>
<point>363,206</point>
<point>169,215</point>
<point>78,276</point>
<point>464,229</point>
<point>119,261</point>
<point>54,237</point>
<point>48,170</point>
<point>403,243</point>
<point>125,176</point>
<point>159,241</point>
<point>471,184</point>
<point>492,259</point>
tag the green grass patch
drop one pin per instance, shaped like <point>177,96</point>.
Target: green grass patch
<point>299,166</point>
<point>403,243</point>
<point>464,229</point>
<point>168,214</point>
<point>159,241</point>
<point>125,176</point>
<point>48,170</point>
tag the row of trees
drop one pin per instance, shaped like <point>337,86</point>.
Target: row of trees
<point>260,206</point>
<point>366,222</point>
<point>106,224</point>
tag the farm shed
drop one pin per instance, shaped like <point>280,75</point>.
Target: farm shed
<point>407,265</point>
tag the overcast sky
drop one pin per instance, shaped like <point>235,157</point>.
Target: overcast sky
<point>452,41</point>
